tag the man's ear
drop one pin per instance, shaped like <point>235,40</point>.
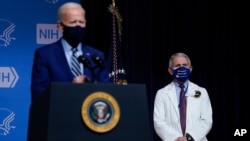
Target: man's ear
<point>60,26</point>
<point>170,71</point>
<point>191,68</point>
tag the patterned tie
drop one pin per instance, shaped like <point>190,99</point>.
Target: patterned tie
<point>75,65</point>
<point>183,106</point>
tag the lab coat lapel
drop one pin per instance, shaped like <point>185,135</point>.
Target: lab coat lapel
<point>174,98</point>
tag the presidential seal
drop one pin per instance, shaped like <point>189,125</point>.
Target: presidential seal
<point>100,112</point>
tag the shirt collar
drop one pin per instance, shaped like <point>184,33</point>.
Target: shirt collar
<point>67,47</point>
<point>185,84</point>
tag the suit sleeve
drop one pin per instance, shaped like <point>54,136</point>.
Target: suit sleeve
<point>40,75</point>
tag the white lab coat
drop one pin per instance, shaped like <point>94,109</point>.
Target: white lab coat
<point>167,118</point>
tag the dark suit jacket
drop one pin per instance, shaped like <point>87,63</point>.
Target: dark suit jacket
<point>50,65</point>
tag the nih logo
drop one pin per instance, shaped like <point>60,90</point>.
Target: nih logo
<point>8,77</point>
<point>47,33</point>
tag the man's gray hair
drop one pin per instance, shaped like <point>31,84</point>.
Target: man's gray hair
<point>170,63</point>
<point>61,14</point>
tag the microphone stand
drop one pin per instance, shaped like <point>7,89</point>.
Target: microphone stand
<point>99,63</point>
<point>93,74</point>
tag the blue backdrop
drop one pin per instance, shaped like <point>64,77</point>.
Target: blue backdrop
<point>24,26</point>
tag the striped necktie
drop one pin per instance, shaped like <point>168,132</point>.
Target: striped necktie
<point>183,107</point>
<point>75,65</point>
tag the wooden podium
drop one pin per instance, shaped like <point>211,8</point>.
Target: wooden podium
<point>57,115</point>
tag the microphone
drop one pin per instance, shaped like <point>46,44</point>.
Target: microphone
<point>86,63</point>
<point>84,60</point>
<point>98,61</point>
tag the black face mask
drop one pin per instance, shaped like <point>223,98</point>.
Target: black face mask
<point>73,35</point>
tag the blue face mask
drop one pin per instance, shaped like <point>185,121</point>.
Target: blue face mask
<point>73,35</point>
<point>181,74</point>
